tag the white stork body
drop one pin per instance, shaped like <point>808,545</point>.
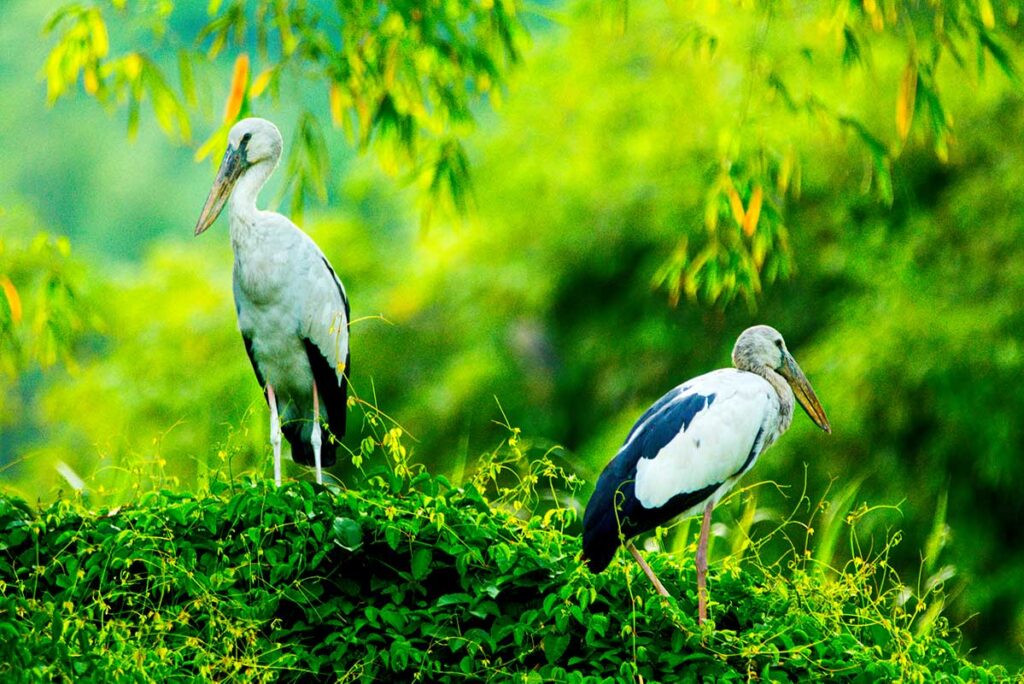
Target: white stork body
<point>278,313</point>
<point>292,309</point>
<point>721,442</point>
<point>693,445</point>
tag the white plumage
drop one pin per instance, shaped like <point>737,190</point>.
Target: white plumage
<point>693,445</point>
<point>719,444</point>
<point>278,312</point>
<point>293,312</point>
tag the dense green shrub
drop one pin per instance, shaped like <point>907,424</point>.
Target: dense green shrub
<point>410,578</point>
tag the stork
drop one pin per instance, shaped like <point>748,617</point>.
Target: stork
<point>692,446</point>
<point>292,309</point>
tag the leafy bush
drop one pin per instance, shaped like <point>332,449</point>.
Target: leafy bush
<point>410,578</point>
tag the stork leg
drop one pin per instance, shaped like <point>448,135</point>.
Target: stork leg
<point>275,434</point>
<point>647,569</point>
<point>702,565</point>
<point>315,438</point>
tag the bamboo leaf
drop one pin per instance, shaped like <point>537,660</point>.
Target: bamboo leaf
<point>99,39</point>
<point>735,203</point>
<point>13,299</point>
<point>336,104</point>
<point>215,143</point>
<point>988,15</point>
<point>260,83</point>
<point>999,54</point>
<point>186,77</point>
<point>236,93</point>
<point>753,213</point>
<point>883,177</point>
<point>906,98</point>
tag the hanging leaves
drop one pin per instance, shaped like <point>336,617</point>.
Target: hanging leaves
<point>744,242</point>
<point>406,80</point>
<point>987,14</point>
<point>308,163</point>
<point>401,78</point>
<point>41,317</point>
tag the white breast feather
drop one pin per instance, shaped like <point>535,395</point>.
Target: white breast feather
<point>284,292</point>
<point>718,440</point>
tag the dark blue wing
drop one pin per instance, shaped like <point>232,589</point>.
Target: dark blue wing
<point>614,506</point>
<point>332,382</point>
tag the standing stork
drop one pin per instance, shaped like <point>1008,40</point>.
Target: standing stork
<point>292,310</point>
<point>692,446</point>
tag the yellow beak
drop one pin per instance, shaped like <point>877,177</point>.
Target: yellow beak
<point>804,393</point>
<point>231,168</point>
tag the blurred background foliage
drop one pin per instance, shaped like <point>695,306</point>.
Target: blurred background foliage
<point>563,211</point>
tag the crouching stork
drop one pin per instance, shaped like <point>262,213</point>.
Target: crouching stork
<point>692,446</point>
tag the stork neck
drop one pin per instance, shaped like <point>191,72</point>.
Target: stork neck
<point>785,393</point>
<point>242,204</point>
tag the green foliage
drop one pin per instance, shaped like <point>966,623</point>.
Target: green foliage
<point>410,577</point>
<point>406,74</point>
<point>165,324</point>
<point>40,316</point>
<point>43,316</point>
<point>789,86</point>
<point>620,135</point>
<point>402,76</point>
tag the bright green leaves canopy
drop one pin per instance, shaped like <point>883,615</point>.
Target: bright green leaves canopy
<point>401,76</point>
<point>42,313</point>
<point>404,77</point>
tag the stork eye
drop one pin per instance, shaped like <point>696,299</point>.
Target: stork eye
<point>778,343</point>
<point>246,138</point>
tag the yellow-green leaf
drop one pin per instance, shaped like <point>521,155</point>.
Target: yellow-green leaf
<point>753,213</point>
<point>13,299</point>
<point>260,83</point>
<point>988,16</point>
<point>236,94</point>
<point>905,99</point>
<point>736,204</point>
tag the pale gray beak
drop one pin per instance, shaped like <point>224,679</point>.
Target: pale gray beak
<point>231,168</point>
<point>804,393</point>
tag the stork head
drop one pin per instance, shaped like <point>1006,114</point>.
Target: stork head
<point>762,347</point>
<point>251,142</point>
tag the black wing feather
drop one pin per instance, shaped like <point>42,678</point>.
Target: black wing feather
<point>614,508</point>
<point>341,408</point>
<point>336,398</point>
<point>333,392</point>
<point>333,399</point>
<point>255,369</point>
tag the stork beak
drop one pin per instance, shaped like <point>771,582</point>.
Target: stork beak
<point>231,168</point>
<point>804,393</point>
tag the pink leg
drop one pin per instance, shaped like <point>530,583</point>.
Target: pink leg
<point>647,569</point>
<point>702,565</point>
<point>275,434</point>
<point>316,438</point>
